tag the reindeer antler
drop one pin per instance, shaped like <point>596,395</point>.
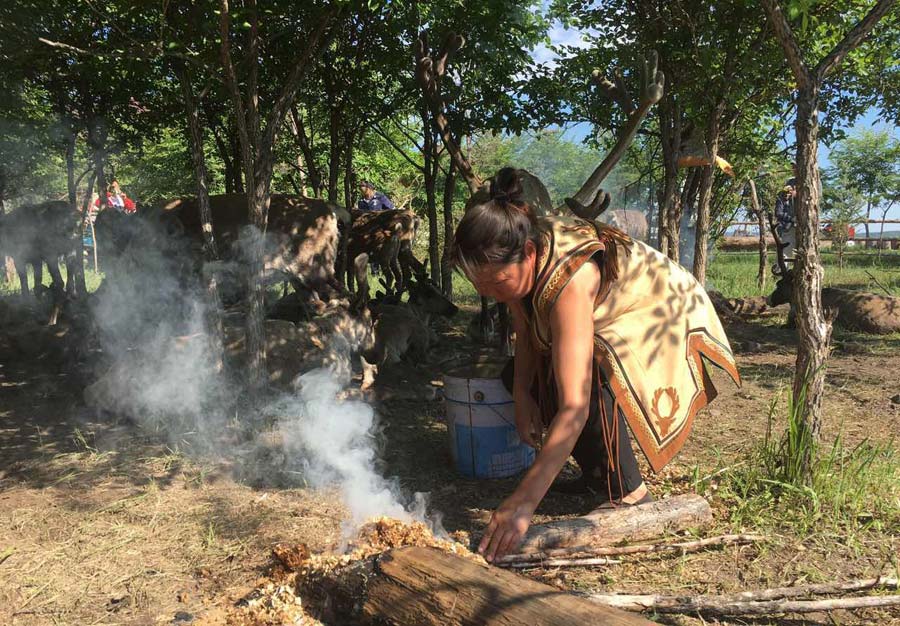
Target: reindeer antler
<point>429,73</point>
<point>588,200</point>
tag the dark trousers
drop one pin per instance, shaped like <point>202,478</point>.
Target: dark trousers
<point>603,450</point>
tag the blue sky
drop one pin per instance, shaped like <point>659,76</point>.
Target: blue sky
<point>560,35</point>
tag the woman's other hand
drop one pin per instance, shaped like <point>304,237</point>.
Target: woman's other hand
<point>528,419</point>
<point>507,528</point>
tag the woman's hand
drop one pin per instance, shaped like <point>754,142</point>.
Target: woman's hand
<point>507,528</point>
<point>529,424</point>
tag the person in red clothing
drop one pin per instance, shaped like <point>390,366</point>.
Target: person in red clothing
<point>117,199</point>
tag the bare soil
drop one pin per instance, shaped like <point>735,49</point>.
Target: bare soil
<point>102,523</point>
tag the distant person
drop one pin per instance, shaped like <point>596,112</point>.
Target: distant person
<point>117,199</point>
<point>373,200</point>
<point>786,214</point>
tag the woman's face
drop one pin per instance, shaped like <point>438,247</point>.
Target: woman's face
<point>507,282</point>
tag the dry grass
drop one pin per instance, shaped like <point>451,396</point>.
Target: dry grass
<point>100,524</point>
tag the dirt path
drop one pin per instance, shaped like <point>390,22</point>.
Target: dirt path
<point>106,525</point>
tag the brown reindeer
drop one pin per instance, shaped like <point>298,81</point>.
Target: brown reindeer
<point>854,310</point>
<point>590,200</point>
<point>300,242</point>
<point>381,235</point>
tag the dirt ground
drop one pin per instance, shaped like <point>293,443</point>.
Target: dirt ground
<point>103,523</point>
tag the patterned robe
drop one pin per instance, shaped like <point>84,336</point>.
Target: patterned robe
<point>655,330</point>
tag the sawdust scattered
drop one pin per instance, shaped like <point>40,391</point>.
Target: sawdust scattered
<point>276,600</point>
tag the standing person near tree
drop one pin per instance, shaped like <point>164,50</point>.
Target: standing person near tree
<point>785,212</point>
<point>372,200</point>
<point>609,333</point>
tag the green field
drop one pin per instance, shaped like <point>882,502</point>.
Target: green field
<point>732,273</point>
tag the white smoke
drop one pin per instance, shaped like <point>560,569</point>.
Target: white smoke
<point>162,374</point>
<point>334,440</point>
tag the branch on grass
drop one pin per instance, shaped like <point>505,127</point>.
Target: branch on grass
<point>763,602</point>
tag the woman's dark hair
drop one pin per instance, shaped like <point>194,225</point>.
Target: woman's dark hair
<point>495,227</point>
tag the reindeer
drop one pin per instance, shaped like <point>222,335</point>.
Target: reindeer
<point>300,242</point>
<point>41,233</point>
<point>590,201</point>
<point>855,310</point>
<point>381,235</point>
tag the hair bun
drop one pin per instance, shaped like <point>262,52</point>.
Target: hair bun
<point>506,187</point>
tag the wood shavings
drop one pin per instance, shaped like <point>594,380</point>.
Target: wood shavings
<point>277,602</point>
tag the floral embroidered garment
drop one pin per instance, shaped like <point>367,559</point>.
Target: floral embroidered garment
<point>655,329</point>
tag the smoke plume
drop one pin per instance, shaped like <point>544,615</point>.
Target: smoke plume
<point>162,374</point>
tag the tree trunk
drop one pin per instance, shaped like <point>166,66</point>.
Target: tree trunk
<point>75,283</point>
<point>237,173</point>
<point>298,129</point>
<point>868,217</point>
<point>211,253</point>
<point>8,264</point>
<point>344,267</point>
<point>763,270</point>
<point>430,169</point>
<point>669,208</point>
<point>701,239</point>
<point>449,194</point>
<point>335,150</point>
<point>426,586</point>
<point>814,331</point>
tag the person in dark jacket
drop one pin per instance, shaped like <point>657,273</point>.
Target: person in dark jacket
<point>372,200</point>
<point>785,214</point>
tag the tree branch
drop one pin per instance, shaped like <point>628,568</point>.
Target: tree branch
<point>785,37</point>
<point>852,39</point>
<point>231,82</point>
<point>292,83</point>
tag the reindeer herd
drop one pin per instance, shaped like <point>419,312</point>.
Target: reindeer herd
<point>302,242</point>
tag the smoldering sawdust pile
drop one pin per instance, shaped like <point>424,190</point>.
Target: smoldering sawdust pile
<point>277,598</point>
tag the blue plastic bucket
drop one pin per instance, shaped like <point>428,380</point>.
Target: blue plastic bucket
<point>481,422</point>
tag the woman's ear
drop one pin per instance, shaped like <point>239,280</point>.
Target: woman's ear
<point>530,249</point>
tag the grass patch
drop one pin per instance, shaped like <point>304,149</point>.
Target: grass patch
<point>91,278</point>
<point>734,273</point>
<point>848,491</point>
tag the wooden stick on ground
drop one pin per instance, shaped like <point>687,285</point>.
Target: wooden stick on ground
<point>607,527</point>
<point>576,562</point>
<point>761,602</point>
<point>596,551</point>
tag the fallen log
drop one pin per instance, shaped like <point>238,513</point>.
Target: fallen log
<point>625,524</point>
<point>762,602</point>
<point>426,586</point>
<point>682,547</point>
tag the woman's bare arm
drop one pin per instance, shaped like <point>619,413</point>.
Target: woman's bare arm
<point>572,328</point>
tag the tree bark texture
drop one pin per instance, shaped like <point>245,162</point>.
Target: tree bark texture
<point>430,153</point>
<point>215,329</point>
<point>669,206</point>
<point>446,268</point>
<point>701,239</point>
<point>606,527</point>
<point>426,586</point>
<point>344,273</point>
<point>763,270</point>
<point>814,331</point>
